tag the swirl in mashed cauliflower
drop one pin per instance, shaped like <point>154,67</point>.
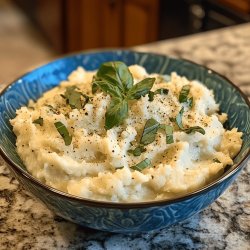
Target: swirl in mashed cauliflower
<point>97,164</point>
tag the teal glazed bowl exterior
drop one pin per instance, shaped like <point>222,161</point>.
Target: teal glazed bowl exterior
<point>110,216</point>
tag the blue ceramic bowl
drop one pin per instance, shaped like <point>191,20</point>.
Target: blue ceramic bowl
<point>122,217</point>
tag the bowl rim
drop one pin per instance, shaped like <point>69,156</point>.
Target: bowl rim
<point>124,205</point>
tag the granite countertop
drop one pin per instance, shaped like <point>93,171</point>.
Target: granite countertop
<point>25,223</point>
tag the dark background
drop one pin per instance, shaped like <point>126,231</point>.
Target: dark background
<point>85,24</point>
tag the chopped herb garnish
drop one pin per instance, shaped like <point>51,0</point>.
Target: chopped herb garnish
<point>183,97</point>
<point>216,160</point>
<point>137,151</point>
<point>142,165</point>
<point>39,121</point>
<point>190,102</point>
<point>73,98</point>
<point>178,118</point>
<point>189,130</point>
<point>117,74</point>
<point>116,113</point>
<point>194,129</point>
<point>140,89</point>
<point>149,131</point>
<point>62,130</point>
<point>115,79</point>
<point>160,91</point>
<point>151,96</point>
<point>169,133</point>
<point>184,93</point>
<point>108,88</point>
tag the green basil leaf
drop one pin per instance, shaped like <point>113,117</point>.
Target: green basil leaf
<point>137,151</point>
<point>184,93</point>
<point>141,88</point>
<point>160,91</point>
<point>116,73</point>
<point>149,131</point>
<point>190,130</point>
<point>194,129</point>
<point>39,121</point>
<point>142,165</point>
<point>108,88</point>
<point>62,130</point>
<point>95,86</point>
<point>178,118</point>
<point>73,97</point>
<point>151,96</point>
<point>190,102</point>
<point>116,113</point>
<point>169,133</point>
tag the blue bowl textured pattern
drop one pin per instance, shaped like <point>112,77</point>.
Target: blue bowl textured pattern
<point>121,217</point>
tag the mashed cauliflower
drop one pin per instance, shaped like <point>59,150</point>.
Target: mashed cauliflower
<point>96,163</point>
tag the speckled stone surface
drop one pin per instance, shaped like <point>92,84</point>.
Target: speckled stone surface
<point>27,224</point>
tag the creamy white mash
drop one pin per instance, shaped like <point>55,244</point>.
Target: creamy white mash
<point>97,165</point>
